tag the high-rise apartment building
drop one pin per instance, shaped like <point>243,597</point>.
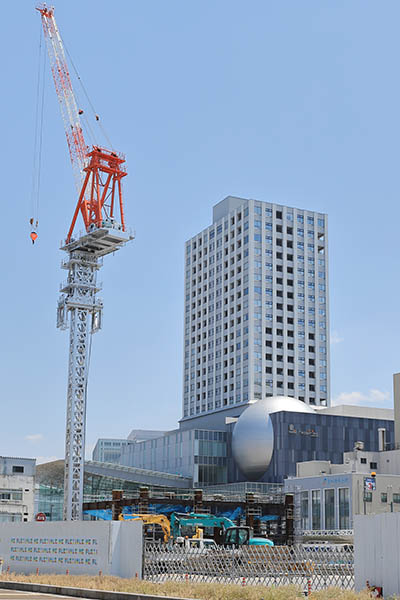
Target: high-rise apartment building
<point>256,308</point>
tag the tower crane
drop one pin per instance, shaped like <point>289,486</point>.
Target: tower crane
<point>98,174</point>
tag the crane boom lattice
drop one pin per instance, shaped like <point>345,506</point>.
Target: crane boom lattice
<point>65,93</point>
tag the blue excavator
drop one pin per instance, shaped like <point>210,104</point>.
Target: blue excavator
<point>229,534</point>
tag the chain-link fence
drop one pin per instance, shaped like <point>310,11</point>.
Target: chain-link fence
<point>318,567</point>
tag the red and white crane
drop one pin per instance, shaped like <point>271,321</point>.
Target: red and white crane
<point>98,173</point>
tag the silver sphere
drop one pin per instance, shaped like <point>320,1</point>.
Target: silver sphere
<point>253,434</point>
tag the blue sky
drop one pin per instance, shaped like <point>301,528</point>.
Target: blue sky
<point>289,102</point>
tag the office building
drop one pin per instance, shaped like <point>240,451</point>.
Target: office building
<point>109,450</point>
<point>17,489</point>
<point>275,437</point>
<point>256,318</point>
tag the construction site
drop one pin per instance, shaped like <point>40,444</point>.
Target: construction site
<point>263,480</point>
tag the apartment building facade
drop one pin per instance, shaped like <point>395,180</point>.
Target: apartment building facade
<point>256,308</point>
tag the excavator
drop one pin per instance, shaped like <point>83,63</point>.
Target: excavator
<point>231,534</point>
<point>160,520</point>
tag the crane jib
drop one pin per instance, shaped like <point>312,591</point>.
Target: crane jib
<point>97,171</point>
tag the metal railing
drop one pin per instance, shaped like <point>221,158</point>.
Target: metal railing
<point>305,566</point>
<point>325,533</point>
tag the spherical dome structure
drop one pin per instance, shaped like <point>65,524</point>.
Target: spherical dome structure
<point>253,435</point>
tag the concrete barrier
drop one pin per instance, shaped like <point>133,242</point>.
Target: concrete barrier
<point>79,592</point>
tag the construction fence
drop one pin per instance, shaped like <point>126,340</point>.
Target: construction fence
<point>310,567</point>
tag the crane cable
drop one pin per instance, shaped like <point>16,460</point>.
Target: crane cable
<point>97,118</point>
<point>38,141</point>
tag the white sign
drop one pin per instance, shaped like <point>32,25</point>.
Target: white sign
<point>81,547</point>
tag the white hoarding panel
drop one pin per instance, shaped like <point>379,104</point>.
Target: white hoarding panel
<point>81,547</point>
<point>377,552</point>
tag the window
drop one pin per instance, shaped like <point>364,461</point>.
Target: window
<point>383,497</point>
<point>316,509</point>
<point>17,469</point>
<point>368,497</point>
<point>11,495</point>
<point>330,509</point>
<point>373,465</point>
<point>344,508</point>
<point>257,237</point>
<point>304,510</point>
<point>396,498</point>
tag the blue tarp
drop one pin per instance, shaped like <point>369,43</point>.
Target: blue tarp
<point>160,509</point>
<point>167,509</point>
<point>231,514</point>
<point>104,515</point>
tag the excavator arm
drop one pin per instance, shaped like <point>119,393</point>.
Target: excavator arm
<point>160,520</point>
<point>179,520</point>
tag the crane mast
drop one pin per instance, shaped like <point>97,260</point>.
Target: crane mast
<point>98,173</point>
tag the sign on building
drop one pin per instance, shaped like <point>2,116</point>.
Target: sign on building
<point>369,484</point>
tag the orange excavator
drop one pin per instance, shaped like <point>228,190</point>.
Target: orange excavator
<point>160,520</point>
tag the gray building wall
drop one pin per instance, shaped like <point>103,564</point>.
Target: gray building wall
<point>109,450</point>
<point>17,489</point>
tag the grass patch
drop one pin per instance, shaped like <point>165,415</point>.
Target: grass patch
<point>200,591</point>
